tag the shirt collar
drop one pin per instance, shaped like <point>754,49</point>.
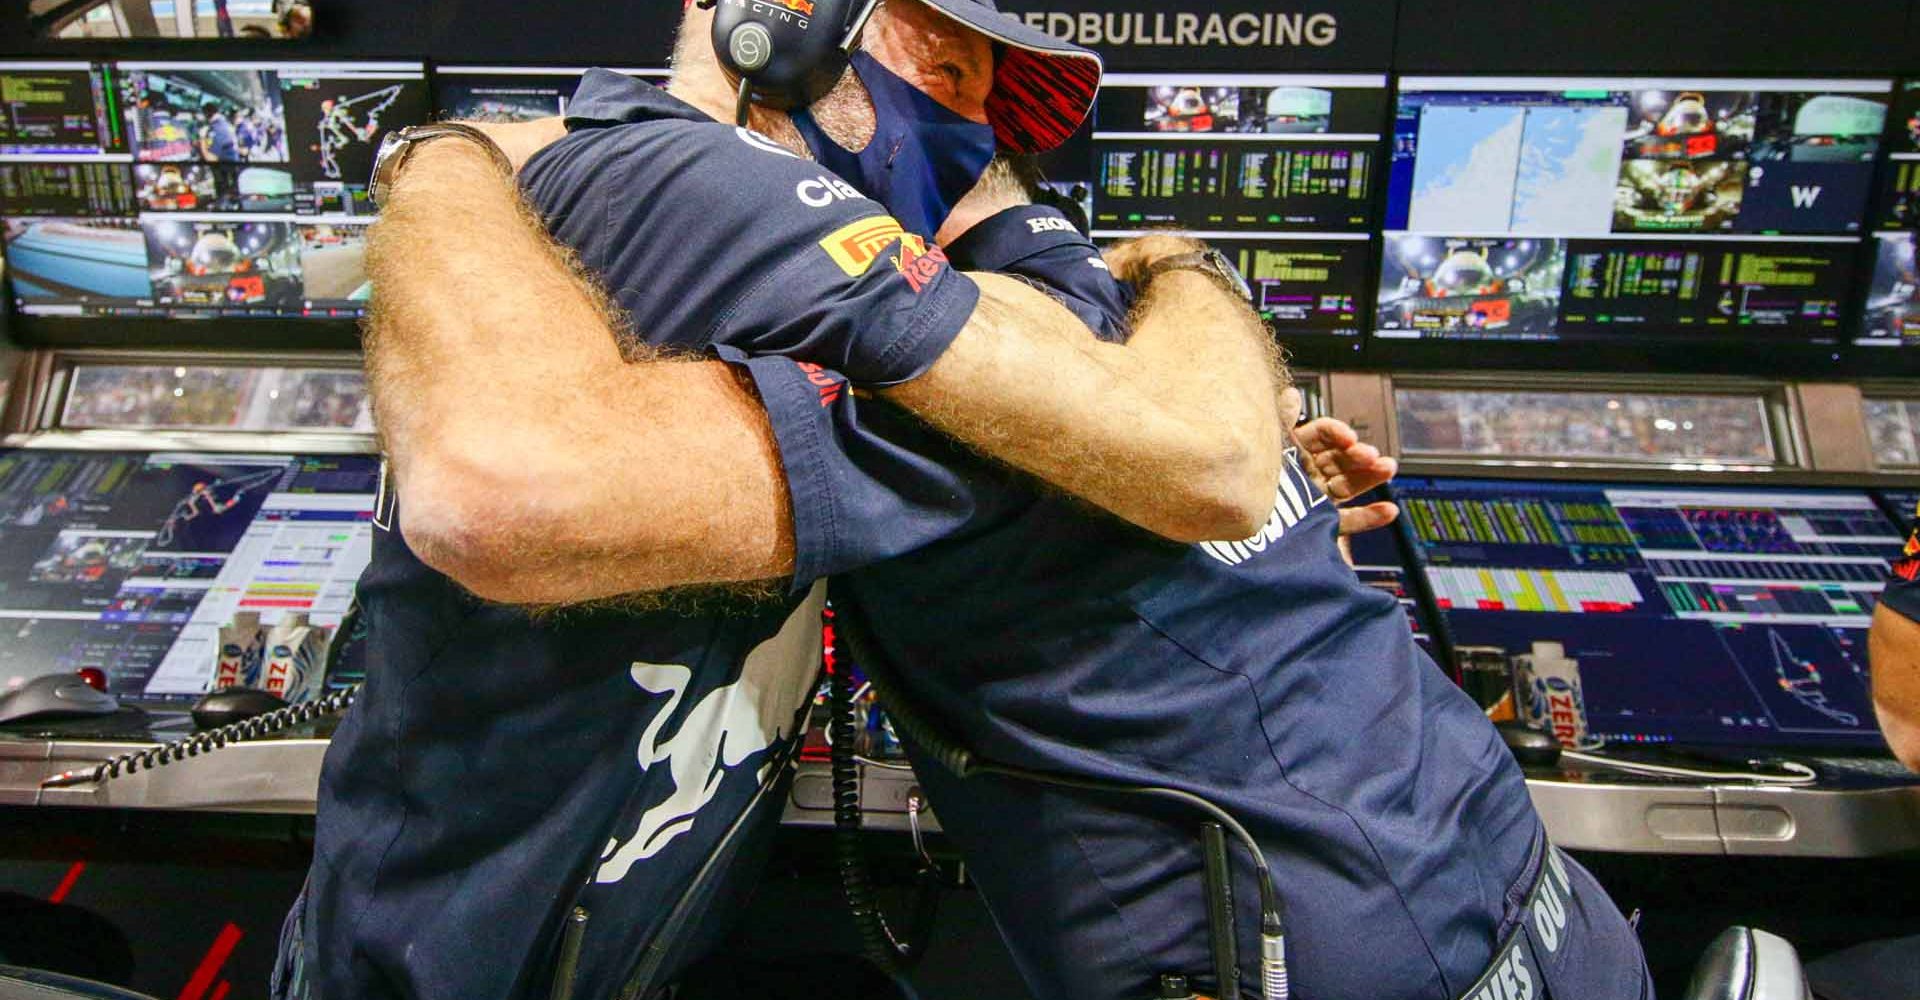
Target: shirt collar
<point>607,98</point>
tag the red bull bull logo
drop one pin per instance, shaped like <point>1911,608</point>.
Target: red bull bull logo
<point>728,730</point>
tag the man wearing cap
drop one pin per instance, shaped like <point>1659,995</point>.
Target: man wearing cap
<point>1244,671</point>
<point>548,801</point>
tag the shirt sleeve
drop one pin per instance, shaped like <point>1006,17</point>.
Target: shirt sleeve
<point>1040,244</point>
<point>715,235</point>
<point>867,481</point>
<point>1903,587</point>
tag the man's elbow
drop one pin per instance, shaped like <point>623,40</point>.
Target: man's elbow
<point>1902,731</point>
<point>457,522</point>
<point>1231,499</point>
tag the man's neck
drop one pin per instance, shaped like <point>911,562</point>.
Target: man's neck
<point>706,89</point>
<point>699,81</point>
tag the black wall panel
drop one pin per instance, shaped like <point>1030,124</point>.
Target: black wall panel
<point>1694,37</point>
<point>1687,36</point>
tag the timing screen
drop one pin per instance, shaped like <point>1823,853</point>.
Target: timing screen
<point>1303,285</point>
<point>1279,171</point>
<point>58,109</point>
<point>1696,615</point>
<point>1237,153</point>
<point>131,562</point>
<point>1549,209</point>
<point>1529,288</point>
<point>239,190</point>
<point>1899,203</point>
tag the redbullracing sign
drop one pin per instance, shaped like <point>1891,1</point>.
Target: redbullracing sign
<point>1186,36</point>
<point>1191,29</point>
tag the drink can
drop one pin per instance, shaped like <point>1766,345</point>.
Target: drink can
<point>1547,692</point>
<point>1486,674</point>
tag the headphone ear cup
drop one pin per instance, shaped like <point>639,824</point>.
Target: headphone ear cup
<point>788,50</point>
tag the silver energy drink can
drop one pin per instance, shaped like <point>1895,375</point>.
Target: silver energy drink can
<point>1547,692</point>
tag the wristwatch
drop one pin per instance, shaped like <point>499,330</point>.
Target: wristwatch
<point>1209,262</point>
<point>397,147</point>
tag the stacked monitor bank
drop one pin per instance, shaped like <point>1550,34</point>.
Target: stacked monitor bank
<point>194,190</point>
<point>1532,208</point>
<point>1593,213</point>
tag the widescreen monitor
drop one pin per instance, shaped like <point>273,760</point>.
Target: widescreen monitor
<point>130,562</point>
<point>513,93</point>
<point>1532,208</point>
<point>1696,615</point>
<point>1279,171</point>
<point>236,190</point>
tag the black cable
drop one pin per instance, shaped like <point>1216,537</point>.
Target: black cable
<point>963,763</point>
<point>882,945</point>
<point>256,728</point>
<point>743,104</point>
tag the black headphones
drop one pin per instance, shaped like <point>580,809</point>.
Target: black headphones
<point>789,53</point>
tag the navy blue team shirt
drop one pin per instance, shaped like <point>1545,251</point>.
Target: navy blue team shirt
<point>503,769</point>
<point>1260,674</point>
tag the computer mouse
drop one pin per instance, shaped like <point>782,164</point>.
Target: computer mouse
<point>55,696</point>
<point>1531,747</point>
<point>233,704</point>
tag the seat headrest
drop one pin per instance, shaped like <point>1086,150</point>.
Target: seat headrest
<point>1747,964</point>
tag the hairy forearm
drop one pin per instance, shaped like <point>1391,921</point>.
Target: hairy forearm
<point>535,463</point>
<point>1177,432</point>
<point>1894,652</point>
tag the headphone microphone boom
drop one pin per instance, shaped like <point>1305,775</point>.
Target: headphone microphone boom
<point>789,53</point>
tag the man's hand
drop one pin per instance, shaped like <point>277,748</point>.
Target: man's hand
<point>1348,467</point>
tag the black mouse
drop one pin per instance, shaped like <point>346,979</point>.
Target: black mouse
<point>1531,747</point>
<point>233,704</point>
<point>55,696</point>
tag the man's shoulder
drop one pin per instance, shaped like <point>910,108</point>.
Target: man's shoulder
<point>662,145</point>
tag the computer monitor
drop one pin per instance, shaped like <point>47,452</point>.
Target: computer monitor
<point>1532,208</point>
<point>1697,615</point>
<point>1890,316</point>
<point>58,109</point>
<point>130,562</point>
<point>1898,206</point>
<point>513,93</point>
<point>1279,171</point>
<point>236,190</point>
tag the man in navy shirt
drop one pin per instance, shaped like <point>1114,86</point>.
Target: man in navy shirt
<point>546,800</point>
<point>1257,672</point>
<point>218,142</point>
<point>1888,968</point>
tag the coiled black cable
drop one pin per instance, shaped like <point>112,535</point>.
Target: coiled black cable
<point>256,728</point>
<point>886,949</point>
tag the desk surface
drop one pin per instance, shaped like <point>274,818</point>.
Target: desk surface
<point>1860,808</point>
